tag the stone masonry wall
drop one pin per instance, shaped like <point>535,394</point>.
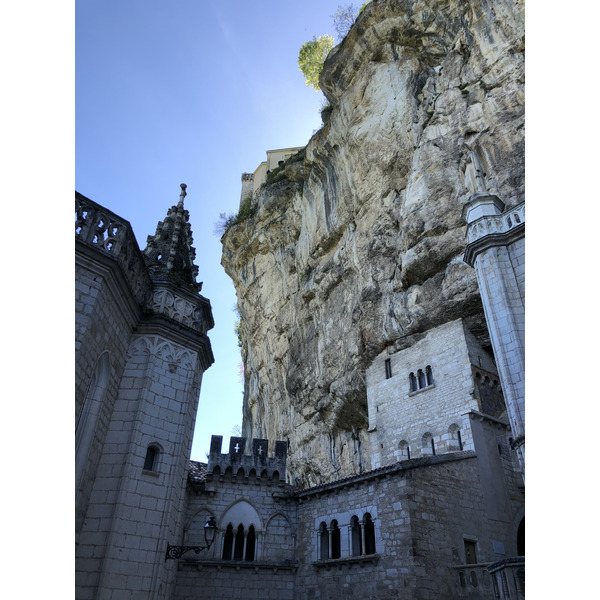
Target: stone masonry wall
<point>437,411</point>
<point>133,512</point>
<point>423,512</point>
<point>104,324</point>
<point>246,500</point>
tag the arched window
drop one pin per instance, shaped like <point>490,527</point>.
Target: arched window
<point>421,378</point>
<point>151,460</point>
<point>336,545</point>
<point>228,542</point>
<point>250,544</point>
<point>85,428</point>
<point>369,534</point>
<point>428,375</point>
<point>356,536</point>
<point>413,382</point>
<point>428,444</point>
<point>238,549</point>
<point>324,541</point>
<point>404,450</point>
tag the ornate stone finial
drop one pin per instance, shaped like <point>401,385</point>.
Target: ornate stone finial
<point>169,254</point>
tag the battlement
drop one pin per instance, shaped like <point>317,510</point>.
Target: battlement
<point>258,464</point>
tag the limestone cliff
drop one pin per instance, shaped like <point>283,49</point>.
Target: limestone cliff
<point>357,243</point>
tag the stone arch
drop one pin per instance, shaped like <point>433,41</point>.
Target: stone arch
<point>241,511</point>
<point>336,544</point>
<point>193,533</point>
<point>85,428</point>
<point>428,444</point>
<point>323,541</point>
<point>404,450</point>
<point>152,456</point>
<point>454,441</point>
<point>279,538</point>
<point>241,473</point>
<point>369,527</point>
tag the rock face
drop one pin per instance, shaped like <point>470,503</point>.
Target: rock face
<point>358,245</point>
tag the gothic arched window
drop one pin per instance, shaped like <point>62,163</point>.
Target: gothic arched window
<point>324,541</point>
<point>336,546</point>
<point>356,536</point>
<point>250,544</point>
<point>369,534</point>
<point>228,542</point>
<point>238,549</point>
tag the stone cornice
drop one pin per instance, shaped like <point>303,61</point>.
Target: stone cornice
<point>494,230</point>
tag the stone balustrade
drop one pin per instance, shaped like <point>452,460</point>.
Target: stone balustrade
<point>496,224</point>
<point>113,236</point>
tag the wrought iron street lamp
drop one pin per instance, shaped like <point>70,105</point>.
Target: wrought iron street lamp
<point>210,530</point>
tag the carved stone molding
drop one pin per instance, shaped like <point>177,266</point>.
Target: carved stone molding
<point>178,308</point>
<point>153,345</point>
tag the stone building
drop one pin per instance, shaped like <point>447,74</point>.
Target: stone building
<point>437,514</point>
<point>381,285</point>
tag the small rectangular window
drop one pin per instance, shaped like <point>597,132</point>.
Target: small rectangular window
<point>470,555</point>
<point>388,368</point>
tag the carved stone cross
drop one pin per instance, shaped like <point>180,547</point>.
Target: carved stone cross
<point>237,448</point>
<point>260,450</point>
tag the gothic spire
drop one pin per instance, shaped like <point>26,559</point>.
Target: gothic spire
<point>169,254</point>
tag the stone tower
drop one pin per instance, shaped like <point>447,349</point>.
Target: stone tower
<point>142,348</point>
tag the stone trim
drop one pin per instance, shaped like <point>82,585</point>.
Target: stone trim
<point>347,561</point>
<point>186,564</point>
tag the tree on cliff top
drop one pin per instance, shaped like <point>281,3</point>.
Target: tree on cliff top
<point>311,58</point>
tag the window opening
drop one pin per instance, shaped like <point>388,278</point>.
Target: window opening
<point>150,460</point>
<point>250,544</point>
<point>324,540</point>
<point>336,545</point>
<point>413,382</point>
<point>460,444</point>
<point>238,551</point>
<point>432,447</point>
<point>356,536</point>
<point>388,368</point>
<point>421,378</point>
<point>428,375</point>
<point>369,534</point>
<point>228,542</point>
<point>470,554</point>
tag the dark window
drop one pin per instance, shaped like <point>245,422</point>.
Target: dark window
<point>250,544</point>
<point>421,378</point>
<point>369,534</point>
<point>336,545</point>
<point>388,368</point>
<point>238,551</point>
<point>432,447</point>
<point>324,538</point>
<point>150,461</point>
<point>356,537</point>
<point>228,542</point>
<point>521,538</point>
<point>460,444</point>
<point>413,382</point>
<point>470,555</point>
<point>429,375</point>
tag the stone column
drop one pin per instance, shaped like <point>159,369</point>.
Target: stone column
<point>496,250</point>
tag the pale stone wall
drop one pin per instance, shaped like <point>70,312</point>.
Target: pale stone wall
<point>437,411</point>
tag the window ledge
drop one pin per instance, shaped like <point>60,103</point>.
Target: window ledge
<point>346,560</point>
<point>427,387</point>
<point>189,564</point>
<point>151,473</point>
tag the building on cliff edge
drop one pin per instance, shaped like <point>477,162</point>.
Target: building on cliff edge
<point>439,515</point>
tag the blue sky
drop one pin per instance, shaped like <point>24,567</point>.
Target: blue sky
<point>191,92</point>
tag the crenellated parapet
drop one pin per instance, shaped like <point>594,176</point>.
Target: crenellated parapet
<point>258,463</point>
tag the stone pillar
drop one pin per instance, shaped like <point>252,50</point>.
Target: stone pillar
<point>496,250</point>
